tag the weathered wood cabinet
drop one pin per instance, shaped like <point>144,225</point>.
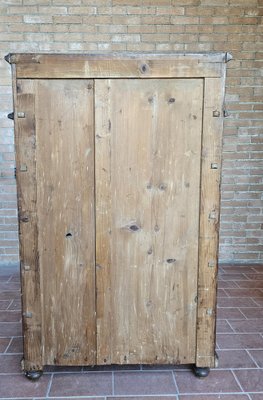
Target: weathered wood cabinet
<point>118,172</point>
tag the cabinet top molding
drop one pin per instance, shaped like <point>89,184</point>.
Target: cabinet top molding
<point>119,65</point>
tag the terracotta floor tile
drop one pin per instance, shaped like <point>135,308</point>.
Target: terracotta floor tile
<point>143,398</point>
<point>227,284</point>
<point>244,293</point>
<point>10,329</point>
<point>4,304</point>
<point>16,345</point>
<point>229,313</point>
<point>254,277</point>
<point>10,363</point>
<point>259,301</point>
<point>233,277</point>
<point>217,382</point>
<point>258,268</point>
<point>87,384</point>
<point>258,356</point>
<point>140,383</point>
<point>15,305</point>
<point>9,286</point>
<point>252,313</point>
<point>251,380</point>
<point>10,295</point>
<point>251,284</point>
<point>221,293</point>
<point>13,386</point>
<point>236,302</point>
<point>235,359</point>
<point>10,316</point>
<point>255,325</point>
<point>214,397</point>
<point>4,342</point>
<point>237,269</point>
<point>74,398</point>
<point>239,341</point>
<point>223,326</point>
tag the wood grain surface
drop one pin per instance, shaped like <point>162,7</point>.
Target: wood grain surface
<point>148,149</point>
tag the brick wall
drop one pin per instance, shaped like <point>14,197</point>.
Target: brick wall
<point>149,25</point>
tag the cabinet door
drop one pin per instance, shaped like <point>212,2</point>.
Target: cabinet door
<point>147,168</point>
<point>55,163</point>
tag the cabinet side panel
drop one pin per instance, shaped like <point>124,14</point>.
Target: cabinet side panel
<point>151,167</point>
<point>25,142</point>
<point>209,220</point>
<point>65,207</point>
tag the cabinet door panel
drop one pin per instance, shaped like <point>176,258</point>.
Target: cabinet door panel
<point>147,168</point>
<point>64,164</point>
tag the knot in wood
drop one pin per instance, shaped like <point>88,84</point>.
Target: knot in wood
<point>134,228</point>
<point>171,100</point>
<point>171,260</point>
<point>144,68</point>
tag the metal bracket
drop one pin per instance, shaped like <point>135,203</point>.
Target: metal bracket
<point>23,168</point>
<point>211,264</point>
<point>214,166</point>
<point>28,314</point>
<point>10,116</point>
<point>226,113</point>
<point>21,114</point>
<point>216,113</point>
<point>228,57</point>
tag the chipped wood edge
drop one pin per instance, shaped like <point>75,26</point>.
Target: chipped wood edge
<point>31,331</point>
<point>209,223</point>
<point>213,57</point>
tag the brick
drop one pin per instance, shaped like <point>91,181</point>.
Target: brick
<point>52,10</point>
<point>67,37</point>
<point>82,10</point>
<point>170,11</point>
<point>67,19</point>
<point>160,37</point>
<point>114,10</point>
<point>37,19</point>
<point>142,28</point>
<point>116,29</point>
<point>22,10</point>
<point>184,20</point>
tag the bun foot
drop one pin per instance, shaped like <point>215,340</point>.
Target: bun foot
<point>33,375</point>
<point>201,372</point>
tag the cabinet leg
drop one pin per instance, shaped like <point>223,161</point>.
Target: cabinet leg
<point>201,372</point>
<point>33,375</point>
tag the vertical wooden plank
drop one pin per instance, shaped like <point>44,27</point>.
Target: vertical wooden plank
<point>25,143</point>
<point>103,195</point>
<point>148,162</point>
<point>209,220</point>
<point>65,208</point>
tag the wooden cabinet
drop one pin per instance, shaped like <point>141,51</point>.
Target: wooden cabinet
<point>118,172</point>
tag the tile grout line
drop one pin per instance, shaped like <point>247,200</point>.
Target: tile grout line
<point>11,339</point>
<point>247,350</point>
<point>113,383</point>
<point>239,309</point>
<point>49,385</point>
<point>237,381</point>
<point>175,383</point>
